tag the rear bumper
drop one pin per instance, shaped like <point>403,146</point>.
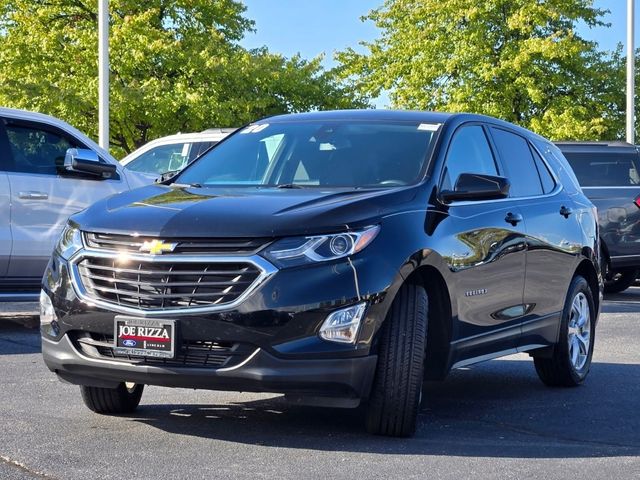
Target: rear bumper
<point>625,261</point>
<point>332,382</point>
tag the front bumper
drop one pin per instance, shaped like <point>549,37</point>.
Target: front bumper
<point>335,382</point>
<point>277,325</point>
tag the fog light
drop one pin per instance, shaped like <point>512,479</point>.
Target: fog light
<point>342,325</point>
<point>47,313</point>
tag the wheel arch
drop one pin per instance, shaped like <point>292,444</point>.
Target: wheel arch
<point>588,271</point>
<point>439,324</point>
<point>604,252</point>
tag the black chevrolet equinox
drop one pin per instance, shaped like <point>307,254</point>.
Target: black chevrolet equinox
<point>339,258</point>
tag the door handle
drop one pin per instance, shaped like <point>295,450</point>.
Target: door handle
<point>513,218</point>
<point>565,211</point>
<point>33,195</point>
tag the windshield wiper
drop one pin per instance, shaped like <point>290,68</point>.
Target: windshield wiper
<point>289,185</point>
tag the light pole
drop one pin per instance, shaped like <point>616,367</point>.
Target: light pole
<point>630,73</point>
<point>103,73</point>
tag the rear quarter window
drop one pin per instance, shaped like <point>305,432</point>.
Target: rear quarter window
<point>559,165</point>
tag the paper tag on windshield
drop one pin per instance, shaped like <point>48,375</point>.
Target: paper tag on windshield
<point>255,128</point>
<point>429,127</point>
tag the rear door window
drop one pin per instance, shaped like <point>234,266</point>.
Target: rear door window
<point>603,169</point>
<point>518,162</point>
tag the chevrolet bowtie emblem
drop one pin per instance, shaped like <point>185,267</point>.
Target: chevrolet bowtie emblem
<point>157,247</point>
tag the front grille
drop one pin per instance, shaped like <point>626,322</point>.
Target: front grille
<point>188,246</point>
<point>190,353</point>
<point>160,285</point>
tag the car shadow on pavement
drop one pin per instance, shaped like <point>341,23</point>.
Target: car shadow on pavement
<point>15,339</point>
<point>498,409</point>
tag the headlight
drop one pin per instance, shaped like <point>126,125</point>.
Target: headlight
<point>70,241</point>
<point>295,251</point>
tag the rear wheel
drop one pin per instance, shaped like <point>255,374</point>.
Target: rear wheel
<point>571,359</point>
<point>397,388</point>
<point>619,280</point>
<point>112,401</point>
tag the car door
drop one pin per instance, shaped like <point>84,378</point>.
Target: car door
<point>5,210</point>
<point>486,252</point>
<point>554,239</point>
<point>43,196</point>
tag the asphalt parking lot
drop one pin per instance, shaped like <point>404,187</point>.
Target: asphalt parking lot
<point>494,420</point>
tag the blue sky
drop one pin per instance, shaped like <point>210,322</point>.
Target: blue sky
<point>313,27</point>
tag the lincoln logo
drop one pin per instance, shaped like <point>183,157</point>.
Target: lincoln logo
<point>157,247</point>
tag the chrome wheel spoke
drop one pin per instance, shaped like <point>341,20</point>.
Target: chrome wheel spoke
<point>583,342</point>
<point>574,352</point>
<point>579,331</point>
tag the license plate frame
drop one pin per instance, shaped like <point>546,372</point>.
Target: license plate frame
<point>147,337</point>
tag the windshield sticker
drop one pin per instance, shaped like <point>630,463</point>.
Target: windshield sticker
<point>429,127</point>
<point>255,128</point>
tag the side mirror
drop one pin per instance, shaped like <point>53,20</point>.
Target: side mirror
<point>82,160</point>
<point>475,186</point>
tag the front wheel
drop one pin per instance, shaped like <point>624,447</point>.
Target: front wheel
<point>112,401</point>
<point>619,280</point>
<point>396,392</point>
<point>571,359</point>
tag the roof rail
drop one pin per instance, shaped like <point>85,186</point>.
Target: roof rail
<point>604,143</point>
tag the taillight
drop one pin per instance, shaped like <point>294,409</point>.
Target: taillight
<point>637,201</point>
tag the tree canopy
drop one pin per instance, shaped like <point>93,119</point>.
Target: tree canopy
<point>519,60</point>
<point>176,65</point>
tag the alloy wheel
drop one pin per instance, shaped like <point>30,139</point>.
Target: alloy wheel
<point>579,336</point>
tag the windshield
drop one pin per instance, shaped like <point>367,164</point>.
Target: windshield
<point>316,154</point>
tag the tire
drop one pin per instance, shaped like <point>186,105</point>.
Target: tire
<point>112,401</point>
<point>564,369</point>
<point>619,280</point>
<point>397,387</point>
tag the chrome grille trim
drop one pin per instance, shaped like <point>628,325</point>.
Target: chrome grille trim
<point>264,268</point>
<point>184,246</point>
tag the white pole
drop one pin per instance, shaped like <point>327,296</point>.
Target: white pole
<point>630,73</point>
<point>103,73</point>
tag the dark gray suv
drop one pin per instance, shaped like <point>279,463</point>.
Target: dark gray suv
<point>609,175</point>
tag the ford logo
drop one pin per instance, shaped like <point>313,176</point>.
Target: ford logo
<point>129,343</point>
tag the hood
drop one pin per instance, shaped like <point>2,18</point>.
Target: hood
<point>179,211</point>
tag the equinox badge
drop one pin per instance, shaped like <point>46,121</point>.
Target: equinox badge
<point>157,247</point>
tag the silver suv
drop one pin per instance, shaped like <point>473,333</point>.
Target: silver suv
<point>48,171</point>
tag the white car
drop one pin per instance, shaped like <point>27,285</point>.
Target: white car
<point>48,171</point>
<point>173,152</point>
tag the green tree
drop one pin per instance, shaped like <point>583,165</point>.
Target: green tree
<point>519,60</point>
<point>176,65</point>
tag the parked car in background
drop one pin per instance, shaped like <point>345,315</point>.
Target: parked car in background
<point>172,153</point>
<point>336,257</point>
<point>609,173</point>
<point>42,183</point>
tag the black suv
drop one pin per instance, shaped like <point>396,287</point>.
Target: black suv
<point>609,173</point>
<point>336,257</point>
